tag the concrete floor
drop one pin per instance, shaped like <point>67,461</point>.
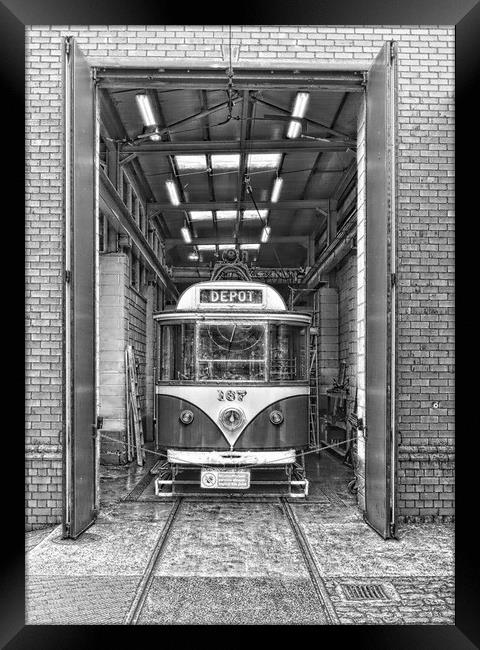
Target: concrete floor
<point>238,562</point>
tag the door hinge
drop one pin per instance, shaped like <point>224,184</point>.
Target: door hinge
<point>393,51</point>
<point>68,276</point>
<point>67,45</point>
<point>393,279</point>
<point>392,530</point>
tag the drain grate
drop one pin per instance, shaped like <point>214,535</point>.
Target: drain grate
<point>364,592</point>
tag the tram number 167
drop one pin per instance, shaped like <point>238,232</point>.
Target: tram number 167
<point>231,395</point>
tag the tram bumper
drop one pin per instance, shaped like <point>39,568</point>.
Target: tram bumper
<point>235,458</point>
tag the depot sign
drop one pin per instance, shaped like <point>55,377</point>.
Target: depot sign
<point>231,296</point>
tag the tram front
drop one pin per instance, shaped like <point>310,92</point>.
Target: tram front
<point>232,391</point>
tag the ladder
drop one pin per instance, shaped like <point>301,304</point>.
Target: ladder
<point>135,440</point>
<point>314,376</point>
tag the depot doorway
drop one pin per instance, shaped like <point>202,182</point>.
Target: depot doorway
<point>81,198</point>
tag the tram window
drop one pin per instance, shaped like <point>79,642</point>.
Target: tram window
<point>288,352</point>
<point>232,351</point>
<point>177,352</point>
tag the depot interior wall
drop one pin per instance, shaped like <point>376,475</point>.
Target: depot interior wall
<point>425,226</point>
<point>125,318</point>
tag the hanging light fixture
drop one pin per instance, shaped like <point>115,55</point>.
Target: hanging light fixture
<point>172,192</point>
<point>265,234</point>
<point>299,110</point>
<point>277,187</point>
<point>187,237</point>
<point>145,108</point>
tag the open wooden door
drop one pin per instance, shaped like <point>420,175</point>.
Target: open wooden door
<point>80,259</point>
<point>380,293</point>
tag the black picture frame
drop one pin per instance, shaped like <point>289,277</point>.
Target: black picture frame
<point>465,15</point>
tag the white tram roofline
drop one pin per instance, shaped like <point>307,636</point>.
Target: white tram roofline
<point>204,315</point>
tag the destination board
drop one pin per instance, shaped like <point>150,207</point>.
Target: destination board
<point>231,296</point>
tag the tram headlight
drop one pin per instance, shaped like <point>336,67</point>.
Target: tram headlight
<point>186,417</point>
<point>276,417</point>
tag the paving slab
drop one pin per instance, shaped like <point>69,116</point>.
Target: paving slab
<point>352,548</point>
<point>120,548</point>
<point>231,601</point>
<point>78,600</point>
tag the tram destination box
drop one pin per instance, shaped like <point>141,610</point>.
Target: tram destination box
<point>231,296</point>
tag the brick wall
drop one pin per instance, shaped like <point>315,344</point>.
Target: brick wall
<point>425,217</point>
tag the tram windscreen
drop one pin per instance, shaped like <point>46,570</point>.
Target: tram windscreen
<point>231,350</point>
<point>288,352</point>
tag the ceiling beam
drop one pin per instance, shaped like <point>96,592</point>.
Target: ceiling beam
<point>272,275</point>
<point>307,204</point>
<point>135,78</point>
<point>326,127</point>
<point>234,146</point>
<point>302,240</point>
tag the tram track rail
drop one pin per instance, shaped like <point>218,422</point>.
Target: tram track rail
<point>133,614</point>
<point>310,563</point>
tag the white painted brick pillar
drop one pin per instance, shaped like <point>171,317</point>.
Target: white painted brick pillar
<point>112,342</point>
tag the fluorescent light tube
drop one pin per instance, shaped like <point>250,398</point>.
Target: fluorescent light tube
<point>250,247</point>
<point>299,110</point>
<point>294,129</point>
<point>300,106</point>
<point>277,187</point>
<point>172,192</point>
<point>186,234</point>
<point>145,108</point>
<point>265,234</point>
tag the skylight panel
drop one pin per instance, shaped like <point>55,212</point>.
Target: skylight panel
<point>223,215</point>
<point>200,215</point>
<point>263,160</point>
<point>253,214</point>
<point>193,162</point>
<point>225,160</point>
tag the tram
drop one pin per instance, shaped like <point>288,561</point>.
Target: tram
<point>232,388</point>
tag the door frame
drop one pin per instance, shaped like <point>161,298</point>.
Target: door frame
<point>193,66</point>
